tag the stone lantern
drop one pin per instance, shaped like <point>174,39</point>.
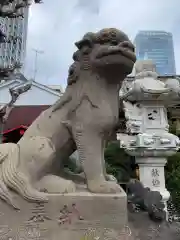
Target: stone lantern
<point>145,99</point>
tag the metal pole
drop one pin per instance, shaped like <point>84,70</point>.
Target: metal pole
<point>35,61</point>
<point>35,65</point>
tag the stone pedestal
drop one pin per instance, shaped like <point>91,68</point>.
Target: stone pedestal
<point>77,216</point>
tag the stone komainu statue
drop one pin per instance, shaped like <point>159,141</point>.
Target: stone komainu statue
<point>82,119</point>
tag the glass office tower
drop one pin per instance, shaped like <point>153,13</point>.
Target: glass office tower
<point>157,46</point>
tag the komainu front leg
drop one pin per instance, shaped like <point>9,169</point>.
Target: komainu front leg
<point>90,144</point>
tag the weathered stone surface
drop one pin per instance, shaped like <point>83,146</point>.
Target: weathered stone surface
<point>69,216</point>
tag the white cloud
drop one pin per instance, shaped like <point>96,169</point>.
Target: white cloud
<point>55,25</point>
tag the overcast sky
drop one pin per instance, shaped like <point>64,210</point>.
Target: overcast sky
<point>55,25</point>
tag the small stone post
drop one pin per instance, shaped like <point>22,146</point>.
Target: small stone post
<point>147,138</point>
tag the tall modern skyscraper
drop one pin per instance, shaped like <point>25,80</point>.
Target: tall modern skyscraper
<point>15,28</point>
<point>158,46</point>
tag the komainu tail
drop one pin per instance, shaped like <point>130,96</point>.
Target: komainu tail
<point>11,177</point>
<point>4,191</point>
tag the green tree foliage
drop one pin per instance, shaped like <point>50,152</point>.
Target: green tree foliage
<point>73,164</point>
<point>118,163</point>
<point>172,173</point>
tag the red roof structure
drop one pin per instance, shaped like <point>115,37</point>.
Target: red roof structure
<point>23,116</point>
<point>21,127</point>
<point>14,134</point>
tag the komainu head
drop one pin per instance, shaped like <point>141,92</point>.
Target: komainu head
<point>106,51</point>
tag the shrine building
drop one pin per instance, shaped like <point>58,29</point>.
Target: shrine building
<point>27,108</point>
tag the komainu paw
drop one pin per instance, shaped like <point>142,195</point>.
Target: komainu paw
<point>111,178</point>
<point>103,187</point>
<point>55,185</point>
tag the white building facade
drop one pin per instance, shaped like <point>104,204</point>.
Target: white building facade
<point>38,95</point>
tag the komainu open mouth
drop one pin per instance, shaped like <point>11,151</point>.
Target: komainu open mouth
<point>125,48</point>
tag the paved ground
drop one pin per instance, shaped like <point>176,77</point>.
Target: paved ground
<point>144,229</point>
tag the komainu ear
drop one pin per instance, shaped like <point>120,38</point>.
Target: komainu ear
<point>76,56</point>
<point>88,41</point>
<point>84,42</point>
<point>73,73</point>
